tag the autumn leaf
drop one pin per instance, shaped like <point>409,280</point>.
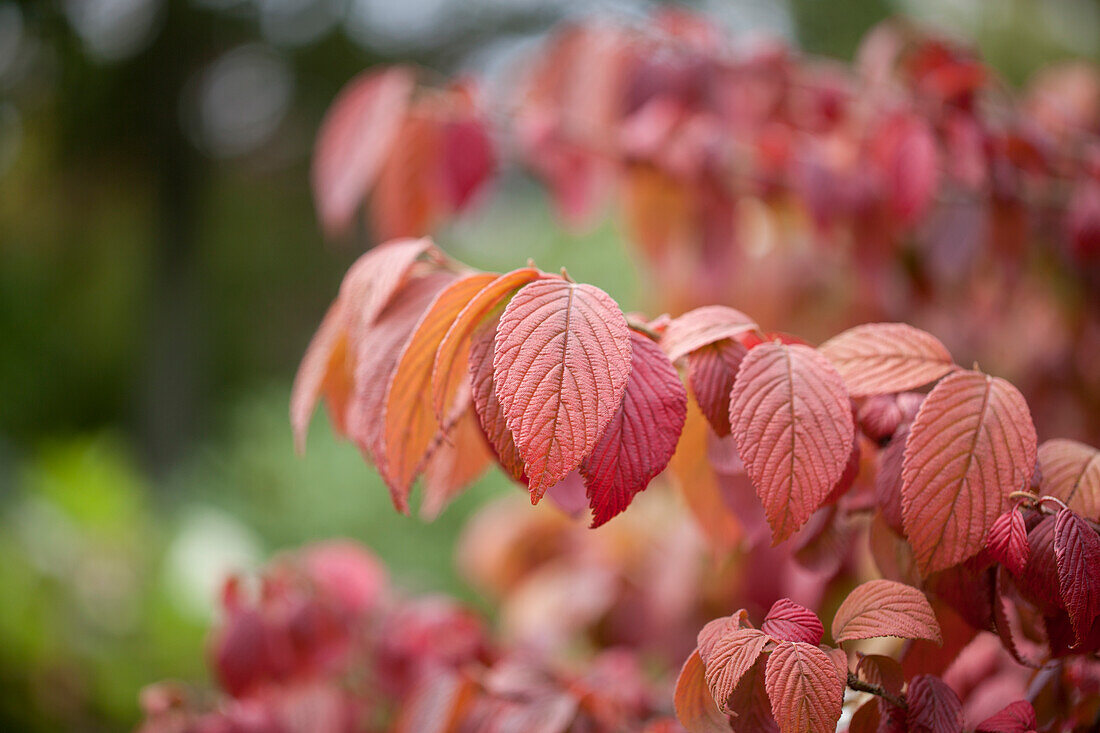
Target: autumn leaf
<point>410,426</point>
<point>711,372</point>
<point>788,621</point>
<point>1007,543</point>
<point>561,364</point>
<point>328,364</point>
<point>1077,549</point>
<point>489,412</point>
<point>694,477</point>
<point>728,657</point>
<point>971,444</point>
<point>805,690</point>
<point>1071,472</point>
<point>1039,582</point>
<point>1017,717</point>
<point>697,328</point>
<point>749,702</point>
<point>379,349</point>
<point>355,139</point>
<point>695,708</point>
<point>793,425</point>
<point>456,343</point>
<point>885,608</point>
<point>884,358</point>
<point>641,437</point>
<point>462,456</point>
<point>933,706</point>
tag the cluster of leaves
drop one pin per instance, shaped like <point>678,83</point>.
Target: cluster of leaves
<point>423,362</point>
<point>758,173</point>
<point>325,645</point>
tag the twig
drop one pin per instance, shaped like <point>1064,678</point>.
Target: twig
<point>860,686</point>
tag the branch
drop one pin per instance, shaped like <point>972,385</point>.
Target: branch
<point>860,686</point>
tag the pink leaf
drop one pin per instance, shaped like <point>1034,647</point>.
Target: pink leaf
<point>561,364</point>
<point>793,425</point>
<point>1007,543</point>
<point>885,608</point>
<point>358,132</point>
<point>1018,717</point>
<point>716,628</point>
<point>788,621</point>
<point>749,702</point>
<point>695,708</point>
<point>1039,582</point>
<point>971,444</point>
<point>805,690</point>
<point>697,328</point>
<point>466,159</point>
<point>1071,472</point>
<point>883,358</point>
<point>1077,549</point>
<point>711,372</point>
<point>728,657</point>
<point>933,706</point>
<point>640,439</point>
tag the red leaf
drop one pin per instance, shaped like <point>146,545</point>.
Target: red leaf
<point>561,364</point>
<point>1018,717</point>
<point>466,159</point>
<point>788,621</point>
<point>1077,549</point>
<point>328,364</point>
<point>697,328</point>
<point>880,416</point>
<point>1007,543</point>
<point>971,444</point>
<point>410,427</point>
<point>357,135</point>
<point>883,358</point>
<point>711,372</point>
<point>906,152</point>
<point>1071,472</point>
<point>1039,582</point>
<point>750,704</point>
<point>489,413</point>
<point>728,657</point>
<point>695,708</point>
<point>714,629</point>
<point>640,440</point>
<point>805,690</point>
<point>933,706</point>
<point>793,425</point>
<point>888,479</point>
<point>437,704</point>
<point>885,608</point>
<point>456,343</point>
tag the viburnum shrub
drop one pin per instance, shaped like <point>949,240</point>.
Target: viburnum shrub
<point>899,551</point>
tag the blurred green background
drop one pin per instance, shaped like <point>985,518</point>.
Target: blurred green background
<point>161,272</point>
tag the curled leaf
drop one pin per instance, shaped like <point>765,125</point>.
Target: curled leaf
<point>1077,549</point>
<point>793,425</point>
<point>728,657</point>
<point>885,608</point>
<point>711,372</point>
<point>697,328</point>
<point>1007,543</point>
<point>695,708</point>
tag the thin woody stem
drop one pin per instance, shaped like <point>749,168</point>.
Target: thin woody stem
<point>860,686</point>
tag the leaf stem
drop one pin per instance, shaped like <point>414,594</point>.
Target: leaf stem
<point>860,686</point>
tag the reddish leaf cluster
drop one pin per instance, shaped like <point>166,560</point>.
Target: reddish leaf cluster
<point>325,646</point>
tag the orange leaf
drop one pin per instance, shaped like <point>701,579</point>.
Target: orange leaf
<point>885,608</point>
<point>456,343</point>
<point>729,657</point>
<point>971,444</point>
<point>697,328</point>
<point>883,358</point>
<point>462,456</point>
<point>1071,472</point>
<point>695,708</point>
<point>409,423</point>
